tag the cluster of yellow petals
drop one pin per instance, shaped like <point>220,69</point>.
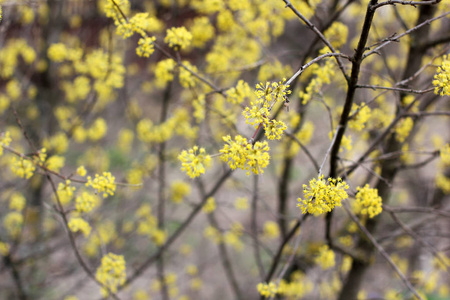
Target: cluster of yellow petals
<point>322,195</point>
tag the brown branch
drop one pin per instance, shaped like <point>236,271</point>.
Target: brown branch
<point>381,251</point>
<point>418,238</point>
<point>412,3</point>
<point>318,33</point>
<point>254,228</point>
<point>411,91</point>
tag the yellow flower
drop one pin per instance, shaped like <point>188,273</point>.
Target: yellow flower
<point>78,224</point>
<point>194,161</point>
<point>442,78</point>
<point>325,258</point>
<point>111,273</point>
<point>322,196</point>
<point>104,183</point>
<point>242,154</point>
<point>368,202</point>
<point>145,46</point>
<point>178,38</point>
<point>267,290</point>
<point>22,167</point>
<point>209,206</point>
<point>57,52</point>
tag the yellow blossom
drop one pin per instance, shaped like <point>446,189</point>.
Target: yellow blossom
<point>210,205</point>
<point>368,202</point>
<point>242,154</point>
<point>81,171</point>
<point>78,224</point>
<point>194,161</point>
<point>178,38</point>
<point>442,78</point>
<point>22,167</point>
<point>85,202</point>
<point>145,46</point>
<point>241,203</point>
<point>322,196</point>
<point>57,52</point>
<point>65,192</point>
<point>178,190</point>
<point>104,183</point>
<point>17,202</point>
<point>5,140</point>
<point>13,222</point>
<point>325,258</point>
<point>267,290</point>
<point>111,273</point>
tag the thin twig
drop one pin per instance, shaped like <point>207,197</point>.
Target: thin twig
<point>381,250</point>
<point>319,34</point>
<point>254,224</point>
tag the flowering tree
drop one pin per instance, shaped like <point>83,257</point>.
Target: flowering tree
<point>224,149</point>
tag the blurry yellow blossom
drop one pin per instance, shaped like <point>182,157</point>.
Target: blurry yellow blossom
<point>22,167</point>
<point>85,202</point>
<point>104,183</point>
<point>111,273</point>
<point>442,78</point>
<point>241,203</point>
<point>271,230</point>
<point>17,202</point>
<point>4,247</point>
<point>13,222</point>
<point>178,190</point>
<point>178,38</point>
<point>57,52</point>
<point>81,171</point>
<point>194,161</point>
<point>65,192</point>
<point>78,224</point>
<point>267,290</point>
<point>210,205</point>
<point>325,258</point>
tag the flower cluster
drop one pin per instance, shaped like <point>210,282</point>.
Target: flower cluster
<point>325,258</point>
<point>238,94</point>
<point>178,190</point>
<point>85,202</point>
<point>111,272</point>
<point>65,192</point>
<point>258,113</point>
<point>210,205</point>
<point>361,114</point>
<point>445,154</point>
<point>146,46</point>
<point>13,222</point>
<point>403,129</point>
<point>322,195</point>
<point>442,78</point>
<point>22,167</point>
<point>194,161</point>
<point>148,225</point>
<point>323,75</point>
<point>79,224</point>
<point>271,230</point>
<point>5,140</point>
<point>242,154</point>
<point>178,38</point>
<point>368,202</point>
<point>103,184</point>
<point>267,290</point>
<point>17,202</point>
